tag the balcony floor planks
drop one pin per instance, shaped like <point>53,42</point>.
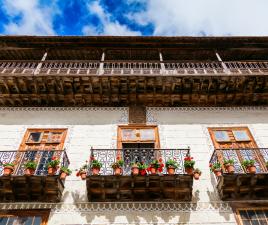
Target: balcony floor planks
<point>243,186</point>
<point>139,188</point>
<point>30,188</point>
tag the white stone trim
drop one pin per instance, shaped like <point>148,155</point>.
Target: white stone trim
<point>127,206</point>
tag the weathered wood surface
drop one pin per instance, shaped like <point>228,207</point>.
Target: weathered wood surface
<point>139,188</point>
<point>95,90</point>
<point>243,187</point>
<point>30,188</point>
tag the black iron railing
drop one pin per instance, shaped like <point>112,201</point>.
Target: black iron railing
<point>41,157</point>
<point>130,155</point>
<point>259,155</point>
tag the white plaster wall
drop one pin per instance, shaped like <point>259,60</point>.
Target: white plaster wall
<point>178,128</point>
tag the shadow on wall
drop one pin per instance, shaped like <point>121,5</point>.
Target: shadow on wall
<point>135,217</point>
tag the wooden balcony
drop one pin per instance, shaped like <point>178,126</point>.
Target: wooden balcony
<point>242,185</point>
<point>127,187</point>
<point>38,187</point>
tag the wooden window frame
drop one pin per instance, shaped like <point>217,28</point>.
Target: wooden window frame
<point>212,129</point>
<point>121,127</point>
<point>28,132</point>
<point>44,214</point>
<point>236,207</point>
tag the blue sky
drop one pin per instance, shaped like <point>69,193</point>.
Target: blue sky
<point>134,17</point>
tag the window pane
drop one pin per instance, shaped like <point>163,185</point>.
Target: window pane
<point>221,136</point>
<point>243,214</point>
<point>252,215</point>
<point>147,134</point>
<point>263,222</point>
<point>34,137</point>
<point>3,221</point>
<point>54,137</point>
<point>241,135</point>
<point>128,134</point>
<point>255,222</point>
<point>246,222</point>
<point>37,220</point>
<point>23,221</point>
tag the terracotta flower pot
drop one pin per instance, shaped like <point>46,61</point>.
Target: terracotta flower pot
<point>218,173</point>
<point>189,170</point>
<point>230,168</point>
<point>153,171</point>
<point>251,169</point>
<point>63,175</point>
<point>95,171</point>
<point>171,170</point>
<point>135,171</point>
<point>143,172</point>
<point>51,171</point>
<point>196,176</point>
<point>117,171</point>
<point>29,171</point>
<point>8,170</point>
<point>83,175</point>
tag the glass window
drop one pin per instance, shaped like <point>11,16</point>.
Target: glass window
<point>34,137</point>
<point>12,220</point>
<point>241,135</point>
<point>253,217</point>
<point>221,136</point>
<point>54,137</point>
<point>128,134</point>
<point>147,134</point>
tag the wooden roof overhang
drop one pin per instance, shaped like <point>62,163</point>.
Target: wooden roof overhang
<point>125,90</point>
<point>143,48</point>
<point>75,73</point>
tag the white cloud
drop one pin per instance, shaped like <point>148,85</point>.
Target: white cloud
<point>212,17</point>
<point>107,27</point>
<point>34,19</point>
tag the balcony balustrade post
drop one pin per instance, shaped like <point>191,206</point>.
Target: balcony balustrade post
<point>101,70</point>
<point>39,66</point>
<point>225,68</point>
<point>162,65</point>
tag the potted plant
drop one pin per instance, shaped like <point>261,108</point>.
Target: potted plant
<point>135,169</point>
<point>197,173</point>
<point>229,165</point>
<point>30,167</point>
<point>64,172</point>
<point>142,168</point>
<point>53,166</point>
<point>249,165</point>
<point>117,166</point>
<point>189,165</point>
<point>82,172</point>
<point>8,168</point>
<point>171,165</point>
<point>216,169</point>
<point>156,166</point>
<point>95,166</point>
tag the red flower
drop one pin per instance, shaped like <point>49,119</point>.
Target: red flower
<point>118,158</point>
<point>78,174</point>
<point>210,165</point>
<point>160,160</point>
<point>53,158</point>
<point>92,158</point>
<point>175,158</point>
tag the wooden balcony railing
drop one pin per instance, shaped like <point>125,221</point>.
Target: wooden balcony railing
<point>132,67</point>
<point>38,187</point>
<point>241,184</point>
<point>128,187</point>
